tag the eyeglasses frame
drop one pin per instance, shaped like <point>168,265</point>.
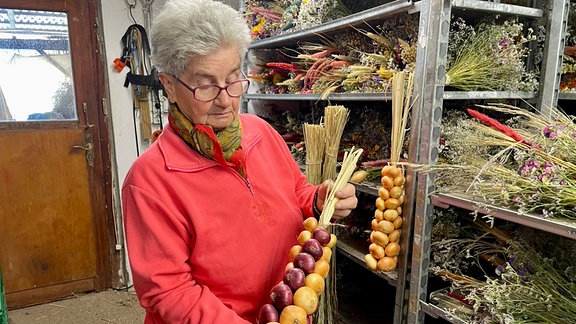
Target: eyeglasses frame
<point>224,88</point>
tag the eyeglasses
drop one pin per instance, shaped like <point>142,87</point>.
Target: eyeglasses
<point>209,92</point>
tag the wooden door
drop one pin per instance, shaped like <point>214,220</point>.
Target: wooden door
<point>55,228</point>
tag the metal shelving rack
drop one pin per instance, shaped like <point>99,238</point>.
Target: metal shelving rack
<point>554,50</point>
<point>431,61</point>
<point>351,249</point>
<point>411,277</point>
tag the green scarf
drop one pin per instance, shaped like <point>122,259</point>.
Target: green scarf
<point>222,146</point>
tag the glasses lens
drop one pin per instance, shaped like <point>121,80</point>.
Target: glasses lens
<point>207,92</point>
<point>237,88</point>
<point>210,92</point>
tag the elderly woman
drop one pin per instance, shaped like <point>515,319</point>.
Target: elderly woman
<point>212,208</point>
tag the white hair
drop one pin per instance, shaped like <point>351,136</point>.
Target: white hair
<point>186,29</point>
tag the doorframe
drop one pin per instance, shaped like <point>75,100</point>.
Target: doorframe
<point>119,276</point>
<point>111,225</point>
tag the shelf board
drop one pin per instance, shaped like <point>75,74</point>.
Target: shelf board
<point>318,97</point>
<point>497,8</point>
<point>355,249</point>
<point>448,95</point>
<point>567,96</point>
<point>367,187</point>
<point>438,312</point>
<point>564,228</point>
<point>357,19</point>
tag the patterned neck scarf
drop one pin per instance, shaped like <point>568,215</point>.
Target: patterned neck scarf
<point>222,146</point>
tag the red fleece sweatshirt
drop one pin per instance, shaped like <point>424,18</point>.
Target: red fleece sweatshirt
<point>206,245</point>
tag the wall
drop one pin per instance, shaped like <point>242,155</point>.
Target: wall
<point>116,19</point>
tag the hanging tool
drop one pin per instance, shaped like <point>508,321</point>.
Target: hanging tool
<point>144,79</point>
<point>147,12</point>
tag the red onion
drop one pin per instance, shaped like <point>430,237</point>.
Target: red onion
<point>267,314</point>
<point>313,247</point>
<point>281,296</point>
<point>321,235</point>
<point>305,261</point>
<point>294,278</point>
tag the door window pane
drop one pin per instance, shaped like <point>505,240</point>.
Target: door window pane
<point>35,66</point>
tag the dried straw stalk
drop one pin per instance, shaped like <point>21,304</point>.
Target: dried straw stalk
<point>348,167</point>
<point>335,118</point>
<point>401,103</point>
<point>328,303</point>
<point>315,141</point>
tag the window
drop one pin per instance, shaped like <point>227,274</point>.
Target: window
<point>35,66</point>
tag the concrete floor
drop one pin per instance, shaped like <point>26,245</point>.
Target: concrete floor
<point>121,307</point>
<point>362,297</point>
<point>111,306</point>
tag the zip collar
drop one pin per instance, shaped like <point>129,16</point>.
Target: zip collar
<point>179,156</point>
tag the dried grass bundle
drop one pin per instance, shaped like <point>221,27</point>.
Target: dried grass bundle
<point>490,57</point>
<point>315,141</point>
<point>335,118</point>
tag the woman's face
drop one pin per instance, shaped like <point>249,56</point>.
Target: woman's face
<point>219,68</point>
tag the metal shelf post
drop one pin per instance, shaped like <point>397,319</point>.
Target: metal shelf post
<point>429,90</point>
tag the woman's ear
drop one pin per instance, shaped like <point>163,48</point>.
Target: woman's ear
<point>169,86</point>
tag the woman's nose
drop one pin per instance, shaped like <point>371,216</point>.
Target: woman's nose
<point>223,98</point>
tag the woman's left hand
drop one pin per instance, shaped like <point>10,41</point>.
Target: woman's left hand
<point>346,199</point>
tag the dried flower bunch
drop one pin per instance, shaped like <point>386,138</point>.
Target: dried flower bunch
<point>357,61</point>
<point>527,164</point>
<point>366,128</point>
<point>449,226</point>
<point>266,18</point>
<point>507,276</point>
<point>316,12</point>
<point>393,43</point>
<point>568,80</point>
<point>270,18</point>
<point>490,56</point>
